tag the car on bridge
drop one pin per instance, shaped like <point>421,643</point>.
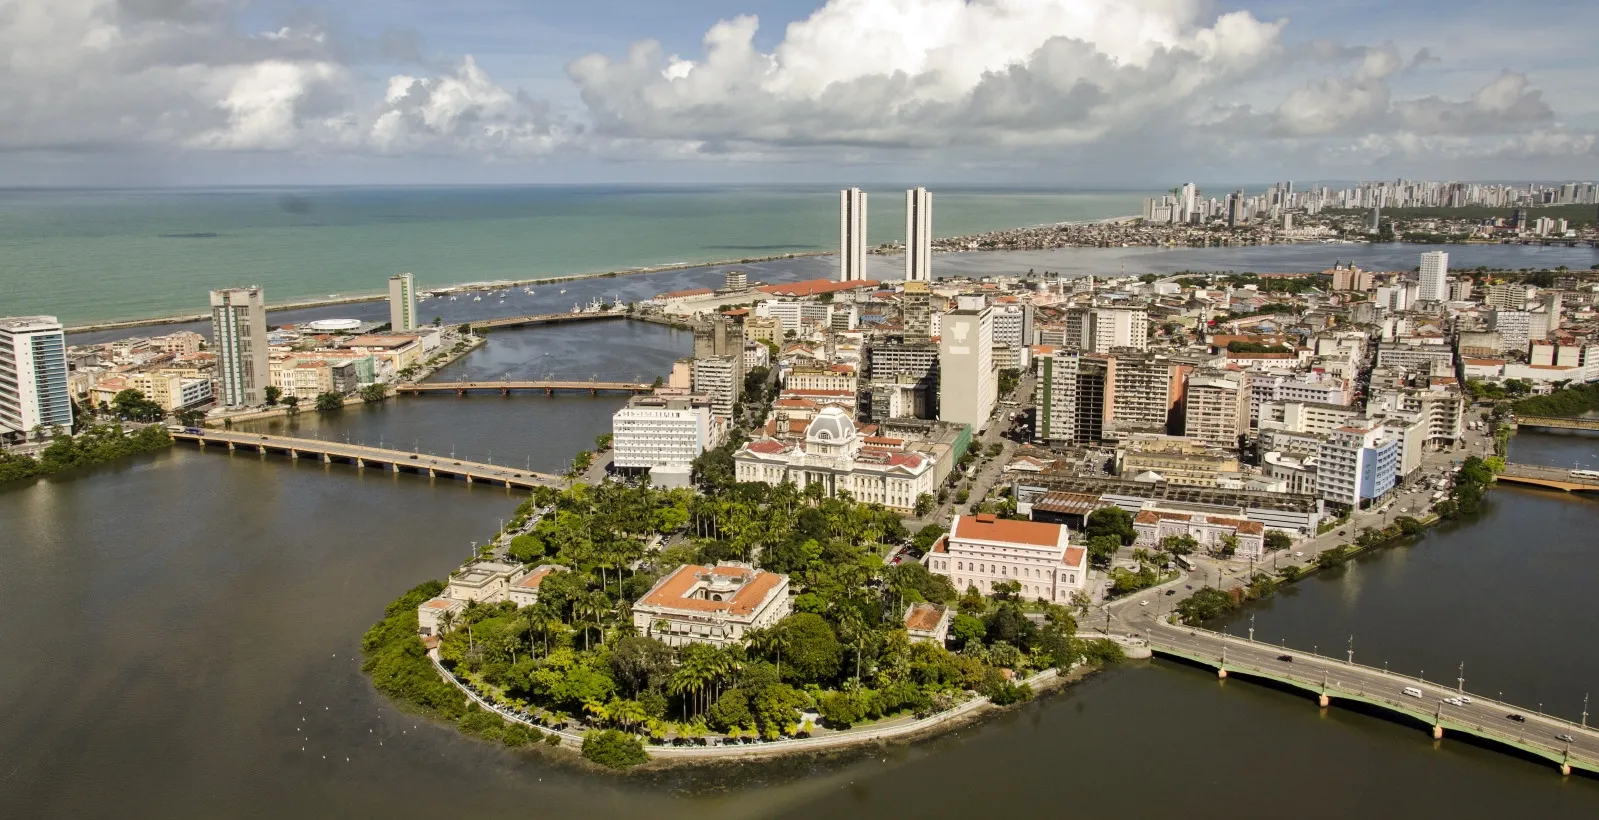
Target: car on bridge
<point>1564,738</point>
<point>1286,658</point>
<point>1515,717</point>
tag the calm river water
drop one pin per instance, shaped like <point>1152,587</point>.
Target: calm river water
<point>182,630</point>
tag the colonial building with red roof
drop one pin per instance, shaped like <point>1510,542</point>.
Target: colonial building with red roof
<point>982,551</point>
<point>717,605</point>
<point>834,454</point>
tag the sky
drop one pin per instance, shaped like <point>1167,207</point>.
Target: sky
<point>1132,94</point>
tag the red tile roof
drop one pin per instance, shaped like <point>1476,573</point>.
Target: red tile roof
<point>1074,556</point>
<point>989,528</point>
<point>756,587</point>
<point>923,617</point>
<point>767,446</point>
<point>814,287</point>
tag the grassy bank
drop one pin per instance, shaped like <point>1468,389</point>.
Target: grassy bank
<point>98,444</point>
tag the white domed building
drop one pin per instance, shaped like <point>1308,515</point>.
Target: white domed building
<point>835,456</point>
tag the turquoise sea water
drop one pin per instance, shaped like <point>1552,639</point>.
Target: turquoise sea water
<point>89,256</point>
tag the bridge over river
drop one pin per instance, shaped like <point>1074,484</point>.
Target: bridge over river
<point>549,386</point>
<point>1569,745</point>
<point>1553,477</point>
<point>363,457</point>
<point>1558,422</point>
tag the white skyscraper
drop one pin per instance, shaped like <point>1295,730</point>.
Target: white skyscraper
<point>851,235</point>
<point>968,382</point>
<point>402,303</point>
<point>1434,276</point>
<point>918,235</point>
<point>33,376</point>
<point>239,336</point>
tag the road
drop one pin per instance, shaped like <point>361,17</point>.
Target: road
<point>1484,716</point>
<point>981,482</point>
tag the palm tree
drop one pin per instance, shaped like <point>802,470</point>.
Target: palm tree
<point>853,624</point>
<point>771,640</point>
<point>446,622</point>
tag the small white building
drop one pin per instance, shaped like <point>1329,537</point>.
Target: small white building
<point>431,614</point>
<point>483,581</point>
<point>981,551</point>
<point>715,605</point>
<point>524,591</point>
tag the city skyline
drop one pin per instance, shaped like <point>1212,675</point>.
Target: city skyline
<point>1054,92</point>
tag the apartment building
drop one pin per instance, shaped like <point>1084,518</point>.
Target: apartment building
<point>664,434</point>
<point>1216,409</point>
<point>239,337</point>
<point>968,381</point>
<point>1357,464</point>
<point>34,388</point>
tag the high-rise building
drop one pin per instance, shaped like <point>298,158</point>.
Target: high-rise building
<point>1357,463</point>
<point>968,383</point>
<point>918,312</point>
<point>1216,409</point>
<point>918,235</point>
<point>33,377</point>
<point>1434,276</point>
<point>735,280</point>
<point>1148,393</point>
<point>402,303</point>
<point>1075,394</point>
<point>664,434</point>
<point>719,377</point>
<point>851,235</point>
<point>239,336</point>
<point>1103,329</point>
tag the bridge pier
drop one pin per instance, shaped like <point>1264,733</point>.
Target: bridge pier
<point>1221,672</point>
<point>294,454</point>
<point>231,447</point>
<point>1565,770</point>
<point>468,478</point>
<point>549,391</point>
<point>1437,731</point>
<point>505,391</point>
<point>1323,701</point>
<point>396,466</point>
<point>260,448</point>
<point>327,458</point>
<point>432,473</point>
<point>360,463</point>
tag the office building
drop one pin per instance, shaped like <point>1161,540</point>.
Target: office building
<point>1103,329</point>
<point>402,303</point>
<point>1217,409</point>
<point>1075,395</point>
<point>720,378</point>
<point>918,235</point>
<point>239,338</point>
<point>917,311</point>
<point>1357,464</point>
<point>1434,276</point>
<point>664,434</point>
<point>1013,325</point>
<point>968,385</point>
<point>851,235</point>
<point>1147,393</point>
<point>33,377</point>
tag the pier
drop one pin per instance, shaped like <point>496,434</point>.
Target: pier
<point>505,387</point>
<point>363,457</point>
<point>1569,745</point>
<point>542,319</point>
<point>1556,478</point>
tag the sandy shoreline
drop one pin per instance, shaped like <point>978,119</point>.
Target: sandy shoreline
<point>378,297</point>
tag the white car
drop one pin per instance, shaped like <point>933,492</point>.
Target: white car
<point>1453,701</point>
<point>1143,603</point>
<point>1464,700</point>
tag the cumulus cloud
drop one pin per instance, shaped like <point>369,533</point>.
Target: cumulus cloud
<point>101,74</point>
<point>928,73</point>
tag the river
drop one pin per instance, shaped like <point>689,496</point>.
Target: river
<point>182,635</point>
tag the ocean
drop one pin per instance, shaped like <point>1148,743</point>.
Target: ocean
<point>103,255</point>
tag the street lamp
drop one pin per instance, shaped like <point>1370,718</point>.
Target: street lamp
<point>1461,681</point>
<point>1351,649</point>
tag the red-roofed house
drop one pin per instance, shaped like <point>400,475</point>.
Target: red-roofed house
<point>715,605</point>
<point>928,623</point>
<point>525,589</point>
<point>982,550</point>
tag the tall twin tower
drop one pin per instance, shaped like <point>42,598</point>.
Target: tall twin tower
<point>852,234</point>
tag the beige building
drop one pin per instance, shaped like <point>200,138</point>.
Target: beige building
<point>968,382</point>
<point>763,329</point>
<point>1177,460</point>
<point>304,380</point>
<point>1217,409</point>
<point>524,591</point>
<point>1210,531</point>
<point>483,581</point>
<point>239,337</point>
<point>834,378</point>
<point>981,551</point>
<point>1148,391</point>
<point>716,605</point>
<point>928,623</point>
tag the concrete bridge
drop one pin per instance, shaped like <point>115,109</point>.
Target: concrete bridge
<point>1557,478</point>
<point>543,319</point>
<point>505,387</point>
<point>363,457</point>
<point>1330,679</point>
<point>1557,422</point>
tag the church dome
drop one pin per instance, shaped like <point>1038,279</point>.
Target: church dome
<point>832,426</point>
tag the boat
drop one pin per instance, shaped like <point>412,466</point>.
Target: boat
<point>563,290</point>
<point>478,298</point>
<point>452,297</point>
<point>576,309</point>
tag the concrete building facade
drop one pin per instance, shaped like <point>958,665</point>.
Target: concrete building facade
<point>239,338</point>
<point>34,388</point>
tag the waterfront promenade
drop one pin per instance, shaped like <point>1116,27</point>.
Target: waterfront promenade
<point>1558,423</point>
<point>1331,679</point>
<point>363,457</point>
